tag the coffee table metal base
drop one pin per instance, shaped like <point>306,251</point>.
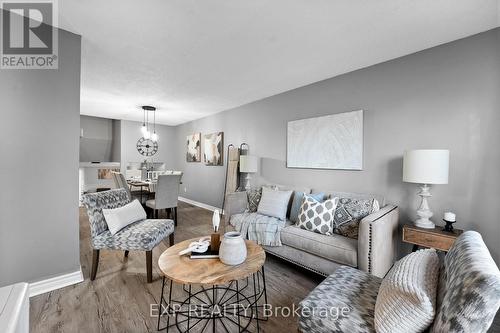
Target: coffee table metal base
<point>229,308</point>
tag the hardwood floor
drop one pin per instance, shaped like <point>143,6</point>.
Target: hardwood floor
<point>119,299</point>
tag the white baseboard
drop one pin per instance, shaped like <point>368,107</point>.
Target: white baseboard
<point>56,282</point>
<point>199,204</point>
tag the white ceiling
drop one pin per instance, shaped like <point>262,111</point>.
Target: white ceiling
<point>195,58</point>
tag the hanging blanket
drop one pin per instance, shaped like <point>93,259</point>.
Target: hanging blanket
<point>265,230</point>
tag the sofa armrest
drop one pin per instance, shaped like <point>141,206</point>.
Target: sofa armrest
<point>377,241</point>
<point>236,203</point>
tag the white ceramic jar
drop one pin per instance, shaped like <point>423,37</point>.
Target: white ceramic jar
<point>233,250</point>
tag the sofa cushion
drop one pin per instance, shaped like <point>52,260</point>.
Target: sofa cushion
<point>119,218</point>
<point>274,203</point>
<point>380,198</point>
<point>142,235</point>
<point>280,187</point>
<point>343,302</point>
<point>349,212</point>
<point>472,287</point>
<point>253,197</point>
<point>297,203</point>
<point>335,247</point>
<point>406,301</point>
<point>317,216</point>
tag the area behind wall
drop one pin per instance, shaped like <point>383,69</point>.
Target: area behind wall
<point>444,97</point>
<point>39,127</point>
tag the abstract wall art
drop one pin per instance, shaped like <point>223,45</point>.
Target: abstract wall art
<point>213,149</point>
<point>328,142</point>
<point>193,153</point>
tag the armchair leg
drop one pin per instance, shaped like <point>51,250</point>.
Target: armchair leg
<point>95,263</point>
<point>126,254</point>
<point>171,239</point>
<point>149,265</point>
<point>175,216</point>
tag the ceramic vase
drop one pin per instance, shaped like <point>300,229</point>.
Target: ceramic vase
<point>233,250</point>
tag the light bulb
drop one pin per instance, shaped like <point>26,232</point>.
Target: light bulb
<point>144,129</point>
<point>147,135</point>
<point>154,136</point>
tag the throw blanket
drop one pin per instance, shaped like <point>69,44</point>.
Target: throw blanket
<point>265,230</point>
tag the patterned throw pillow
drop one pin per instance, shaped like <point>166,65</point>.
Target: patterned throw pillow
<point>349,213</point>
<point>317,216</point>
<point>297,203</point>
<point>253,196</point>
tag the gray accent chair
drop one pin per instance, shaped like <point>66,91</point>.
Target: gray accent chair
<point>374,251</point>
<point>139,236</point>
<point>468,294</point>
<point>166,195</point>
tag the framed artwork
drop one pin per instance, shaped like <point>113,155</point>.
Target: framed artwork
<point>213,149</point>
<point>328,142</point>
<point>193,153</point>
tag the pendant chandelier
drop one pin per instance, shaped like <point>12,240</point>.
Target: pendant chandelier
<point>146,126</point>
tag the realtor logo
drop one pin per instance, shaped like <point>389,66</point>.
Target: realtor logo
<point>28,37</point>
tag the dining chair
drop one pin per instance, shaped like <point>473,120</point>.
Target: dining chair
<point>139,236</point>
<point>121,182</point>
<point>166,196</point>
<point>178,173</point>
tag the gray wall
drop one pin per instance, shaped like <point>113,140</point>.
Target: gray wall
<point>116,145</point>
<point>96,145</point>
<point>39,129</point>
<point>167,149</point>
<point>444,97</point>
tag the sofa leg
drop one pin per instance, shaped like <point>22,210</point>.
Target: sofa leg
<point>95,263</point>
<point>126,254</point>
<point>171,239</point>
<point>149,265</point>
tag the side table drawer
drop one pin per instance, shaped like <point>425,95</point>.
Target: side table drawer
<point>438,242</point>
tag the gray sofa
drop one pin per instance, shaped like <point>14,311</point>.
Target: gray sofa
<point>374,251</point>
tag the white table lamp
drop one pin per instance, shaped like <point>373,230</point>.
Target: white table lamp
<point>249,164</point>
<point>425,166</point>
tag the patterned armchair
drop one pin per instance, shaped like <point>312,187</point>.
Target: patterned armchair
<point>139,236</point>
<point>467,301</point>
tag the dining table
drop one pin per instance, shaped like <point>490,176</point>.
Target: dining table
<point>146,186</point>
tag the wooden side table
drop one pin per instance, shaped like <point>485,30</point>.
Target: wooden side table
<point>216,293</point>
<point>435,238</point>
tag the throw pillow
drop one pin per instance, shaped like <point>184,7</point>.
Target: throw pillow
<point>406,300</point>
<point>297,203</point>
<point>274,203</point>
<point>348,214</point>
<point>253,199</point>
<point>119,218</point>
<point>317,216</point>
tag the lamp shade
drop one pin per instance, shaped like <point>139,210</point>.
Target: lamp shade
<point>426,166</point>
<point>249,163</point>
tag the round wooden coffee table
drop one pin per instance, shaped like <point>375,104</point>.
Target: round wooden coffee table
<point>225,296</point>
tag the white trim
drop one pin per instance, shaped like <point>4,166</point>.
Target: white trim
<point>56,282</point>
<point>199,204</point>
